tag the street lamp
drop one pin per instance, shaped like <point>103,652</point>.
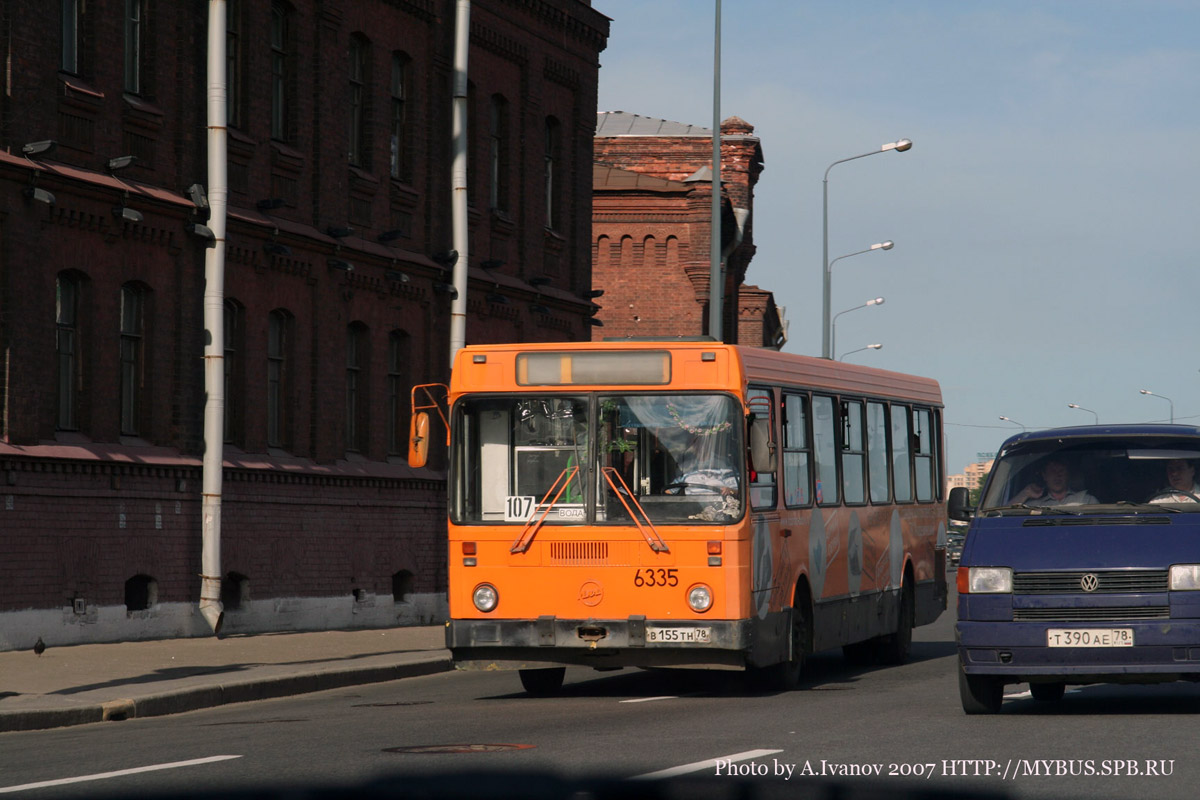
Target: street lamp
<point>826,346</point>
<point>1164,397</point>
<point>859,350</point>
<point>1014,422</point>
<point>888,245</point>
<point>1081,408</point>
<point>878,301</point>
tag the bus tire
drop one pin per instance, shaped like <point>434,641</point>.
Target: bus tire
<point>542,682</point>
<point>980,694</point>
<point>785,675</point>
<point>1048,692</point>
<point>895,648</point>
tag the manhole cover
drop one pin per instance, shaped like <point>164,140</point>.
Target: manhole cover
<point>390,705</point>
<point>422,749</point>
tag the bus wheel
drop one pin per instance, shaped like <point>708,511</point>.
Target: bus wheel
<point>1048,692</point>
<point>895,648</point>
<point>785,675</point>
<point>980,694</point>
<point>542,682</point>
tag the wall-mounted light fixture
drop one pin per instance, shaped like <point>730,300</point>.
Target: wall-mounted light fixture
<point>390,236</point>
<point>538,281</point>
<point>269,204</point>
<point>196,194</point>
<point>538,308</point>
<point>492,263</point>
<point>340,263</point>
<point>119,162</point>
<point>396,275</point>
<point>127,214</point>
<point>202,231</point>
<point>340,233</point>
<point>497,298</point>
<point>445,260</point>
<point>38,195</point>
<point>445,288</point>
<point>277,249</point>
<point>41,148</point>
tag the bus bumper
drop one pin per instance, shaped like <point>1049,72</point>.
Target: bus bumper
<point>598,643</point>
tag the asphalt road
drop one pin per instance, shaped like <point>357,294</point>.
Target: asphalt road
<point>658,728</point>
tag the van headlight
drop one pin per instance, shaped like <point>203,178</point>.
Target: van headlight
<point>989,580</point>
<point>699,597</point>
<point>485,597</point>
<point>1184,577</point>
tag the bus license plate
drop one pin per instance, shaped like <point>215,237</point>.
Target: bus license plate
<point>679,635</point>
<point>1089,637</point>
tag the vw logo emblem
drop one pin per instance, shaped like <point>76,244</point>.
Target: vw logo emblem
<point>1089,582</point>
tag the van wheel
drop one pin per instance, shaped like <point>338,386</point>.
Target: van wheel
<point>895,648</point>
<point>542,682</point>
<point>1048,692</point>
<point>980,694</point>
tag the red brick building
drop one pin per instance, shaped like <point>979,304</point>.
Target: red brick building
<point>339,148</point>
<point>652,230</point>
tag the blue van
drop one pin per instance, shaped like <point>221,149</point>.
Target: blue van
<point>1081,563</point>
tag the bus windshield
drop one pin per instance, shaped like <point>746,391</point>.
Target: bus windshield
<point>598,458</point>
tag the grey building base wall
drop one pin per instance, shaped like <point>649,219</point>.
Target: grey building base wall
<point>19,630</point>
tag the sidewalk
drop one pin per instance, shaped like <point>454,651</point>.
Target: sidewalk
<point>95,682</point>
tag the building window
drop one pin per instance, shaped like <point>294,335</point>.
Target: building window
<point>552,161</point>
<point>134,19</point>
<point>278,344</point>
<point>357,388</point>
<point>133,346</point>
<point>234,395</point>
<point>359,149</point>
<point>67,293</point>
<point>498,137</point>
<point>400,145</point>
<point>398,390</point>
<point>280,72</point>
<point>234,71</point>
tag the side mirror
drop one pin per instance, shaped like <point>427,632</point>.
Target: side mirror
<point>959,505</point>
<point>418,440</point>
<point>762,451</point>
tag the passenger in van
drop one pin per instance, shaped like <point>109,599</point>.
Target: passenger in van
<point>1181,478</point>
<point>1054,488</point>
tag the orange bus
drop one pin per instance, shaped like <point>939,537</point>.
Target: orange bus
<point>686,504</point>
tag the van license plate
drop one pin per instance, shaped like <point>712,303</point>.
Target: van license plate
<point>1089,637</point>
<point>696,635</point>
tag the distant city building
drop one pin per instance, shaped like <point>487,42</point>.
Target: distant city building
<point>971,477</point>
<point>652,231</point>
<point>336,301</point>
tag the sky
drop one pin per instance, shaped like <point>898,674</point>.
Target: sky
<point>1046,220</point>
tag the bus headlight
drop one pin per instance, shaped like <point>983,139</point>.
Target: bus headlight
<point>699,597</point>
<point>1184,577</point>
<point>485,597</point>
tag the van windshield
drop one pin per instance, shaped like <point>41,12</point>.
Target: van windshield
<point>1070,474</point>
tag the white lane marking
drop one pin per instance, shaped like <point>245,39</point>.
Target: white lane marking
<point>117,774</point>
<point>651,699</point>
<point>699,765</point>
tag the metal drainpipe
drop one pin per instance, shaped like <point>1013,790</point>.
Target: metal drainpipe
<point>458,179</point>
<point>214,325</point>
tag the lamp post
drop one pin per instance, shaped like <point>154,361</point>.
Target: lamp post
<point>859,350</point>
<point>877,301</point>
<point>1081,408</point>
<point>1014,422</point>
<point>826,347</point>
<point>1164,397</point>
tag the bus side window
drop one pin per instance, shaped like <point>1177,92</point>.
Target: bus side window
<point>797,489</point>
<point>825,451</point>
<point>762,488</point>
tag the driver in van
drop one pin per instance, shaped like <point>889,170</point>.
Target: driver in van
<point>1181,483</point>
<point>1054,488</point>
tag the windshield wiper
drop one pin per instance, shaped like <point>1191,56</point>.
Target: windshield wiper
<point>1036,509</point>
<point>648,533</point>
<point>1148,507</point>
<point>527,533</point>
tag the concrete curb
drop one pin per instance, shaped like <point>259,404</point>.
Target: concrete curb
<point>210,696</point>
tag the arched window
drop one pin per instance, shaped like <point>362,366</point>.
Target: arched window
<point>279,339</point>
<point>133,355</point>
<point>399,387</point>
<point>68,291</point>
<point>357,386</point>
